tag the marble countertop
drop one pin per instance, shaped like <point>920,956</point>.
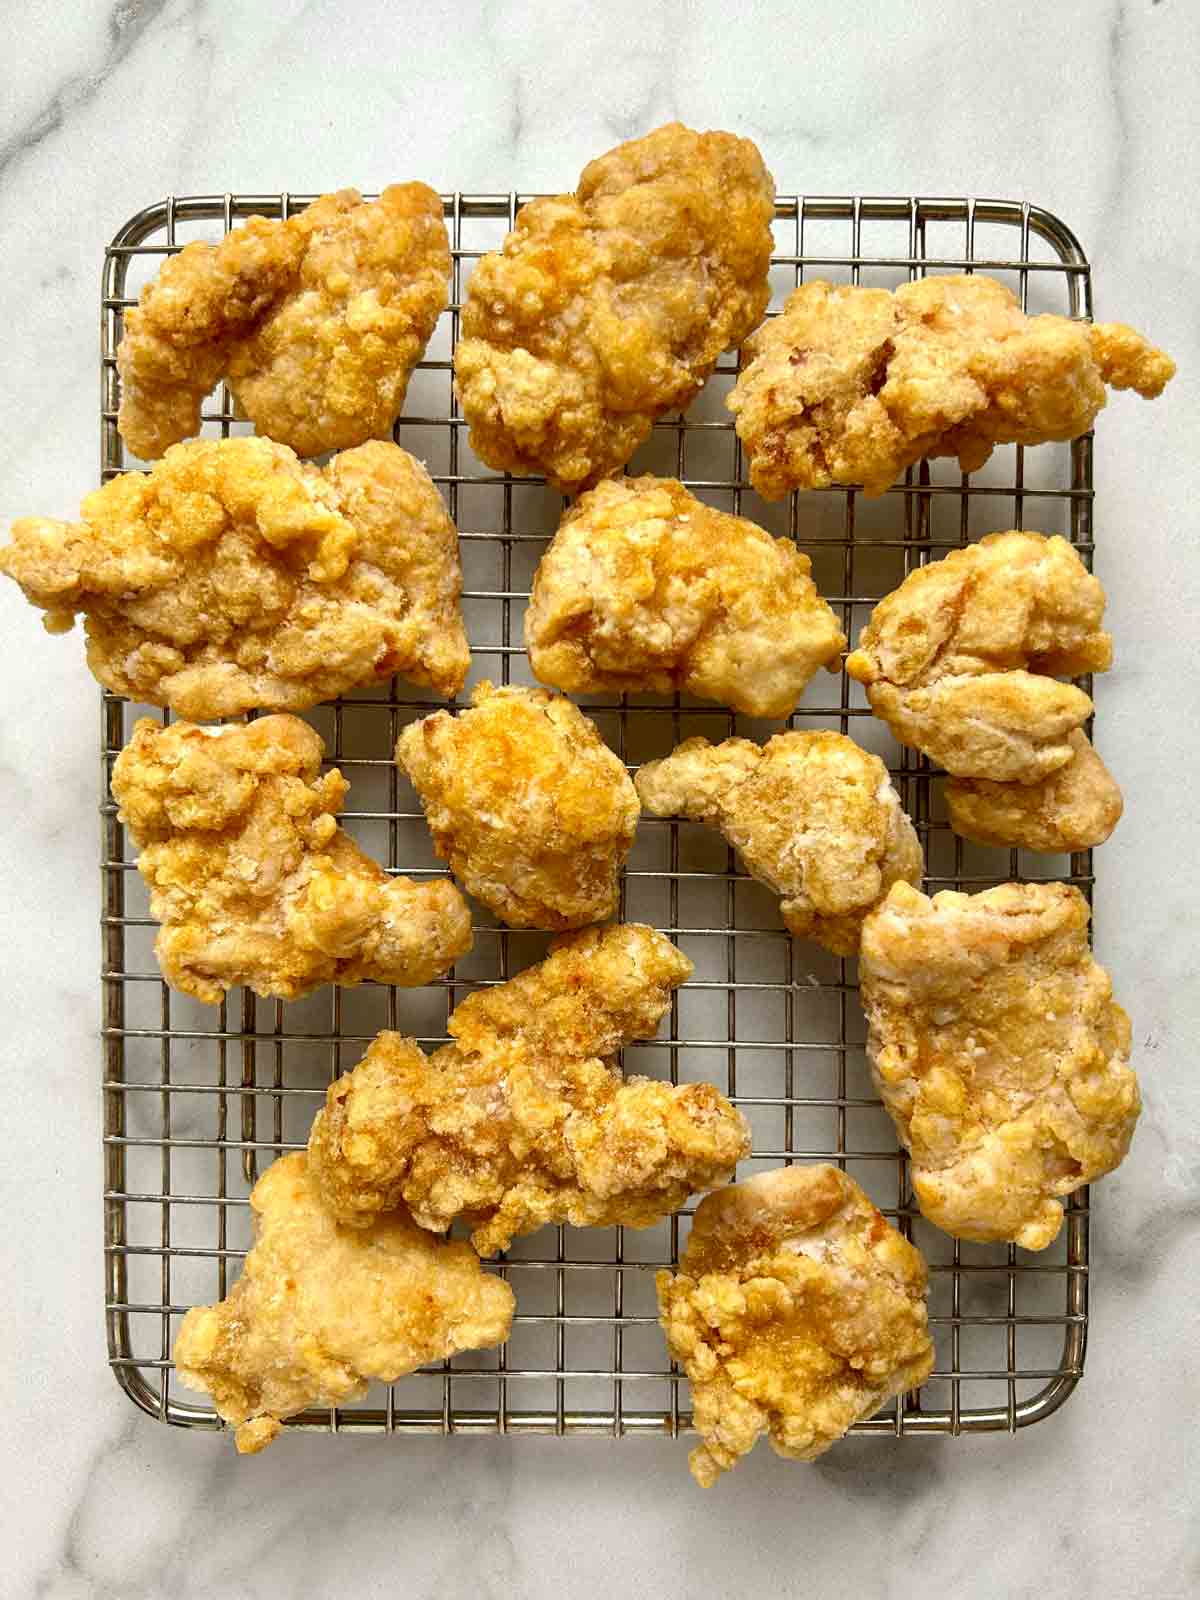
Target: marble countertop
<point>1087,108</point>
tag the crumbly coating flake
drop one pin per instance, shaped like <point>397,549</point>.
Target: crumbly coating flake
<point>316,322</point>
<point>797,1310</point>
<point>252,879</point>
<point>812,815</point>
<point>525,1118</point>
<point>322,1310</point>
<point>234,577</point>
<point>533,811</point>
<point>647,588</point>
<point>851,385</point>
<point>1000,1053</point>
<point>606,308</point>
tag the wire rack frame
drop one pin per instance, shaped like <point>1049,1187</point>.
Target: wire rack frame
<point>198,1099</point>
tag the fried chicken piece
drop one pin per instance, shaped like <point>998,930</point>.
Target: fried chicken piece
<point>1000,1053</point>
<point>851,385</point>
<point>606,308</point>
<point>525,1119</point>
<point>530,807</point>
<point>812,815</point>
<point>1076,807</point>
<point>253,880</point>
<point>796,1312</point>
<point>316,323</point>
<point>646,587</point>
<point>234,577</point>
<point>960,660</point>
<point>321,1310</point>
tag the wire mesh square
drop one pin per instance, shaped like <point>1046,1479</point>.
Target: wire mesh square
<point>199,1099</point>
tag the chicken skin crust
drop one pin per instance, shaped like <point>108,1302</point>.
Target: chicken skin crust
<point>533,811</point>
<point>1000,1053</point>
<point>797,1310</point>
<point>234,577</point>
<point>606,308</point>
<point>647,588</point>
<point>851,385</point>
<point>812,815</point>
<point>315,322</point>
<point>320,1311</point>
<point>525,1118</point>
<point>251,877</point>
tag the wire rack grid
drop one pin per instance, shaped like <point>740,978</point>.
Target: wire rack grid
<point>197,1100</point>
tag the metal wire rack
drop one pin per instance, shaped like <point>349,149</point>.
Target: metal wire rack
<point>198,1099</point>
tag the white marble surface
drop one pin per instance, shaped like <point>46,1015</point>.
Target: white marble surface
<point>1087,108</point>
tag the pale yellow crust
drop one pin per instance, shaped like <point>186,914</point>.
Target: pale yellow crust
<point>812,815</point>
<point>251,877</point>
<point>1076,807</point>
<point>316,323</point>
<point>234,577</point>
<point>533,811</point>
<point>797,1310</point>
<point>647,588</point>
<point>852,385</point>
<point>1000,1053</point>
<point>961,660</point>
<point>606,308</point>
<point>525,1119</point>
<point>321,1310</point>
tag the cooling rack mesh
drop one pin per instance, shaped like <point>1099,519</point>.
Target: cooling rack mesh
<point>199,1099</point>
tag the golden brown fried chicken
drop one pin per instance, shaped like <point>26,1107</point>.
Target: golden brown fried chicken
<point>646,587</point>
<point>234,577</point>
<point>321,1310</point>
<point>316,323</point>
<point>532,810</point>
<point>1000,1053</point>
<point>796,1312</point>
<point>609,307</point>
<point>812,815</point>
<point>253,880</point>
<point>1076,807</point>
<point>852,385</point>
<point>525,1118</point>
<point>960,661</point>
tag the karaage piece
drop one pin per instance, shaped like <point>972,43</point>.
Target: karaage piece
<point>812,815</point>
<point>1076,807</point>
<point>606,308</point>
<point>960,661</point>
<point>525,1119</point>
<point>316,323</point>
<point>1000,1053</point>
<point>647,588</point>
<point>851,385</point>
<point>530,807</point>
<point>797,1310</point>
<point>251,877</point>
<point>234,577</point>
<point>321,1310</point>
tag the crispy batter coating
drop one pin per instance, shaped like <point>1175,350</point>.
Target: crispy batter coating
<point>1076,807</point>
<point>646,587</point>
<point>253,880</point>
<point>321,1310</point>
<point>525,1118</point>
<point>316,323</point>
<point>234,577</point>
<point>796,1312</point>
<point>1000,1053</point>
<point>852,385</point>
<point>812,815</point>
<point>960,661</point>
<point>530,807</point>
<point>609,307</point>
